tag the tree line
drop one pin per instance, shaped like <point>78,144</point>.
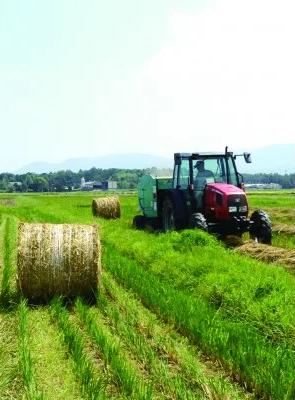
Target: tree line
<point>62,181</point>
<point>287,181</point>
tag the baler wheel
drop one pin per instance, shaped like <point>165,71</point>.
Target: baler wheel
<point>168,218</point>
<point>139,222</point>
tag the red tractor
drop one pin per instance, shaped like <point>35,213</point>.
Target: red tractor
<point>205,192</point>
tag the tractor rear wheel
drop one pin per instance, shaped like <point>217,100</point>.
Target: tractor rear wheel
<point>260,230</point>
<point>168,218</point>
<point>199,222</point>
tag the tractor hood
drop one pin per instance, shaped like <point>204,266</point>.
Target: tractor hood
<point>224,188</point>
<point>223,202</point>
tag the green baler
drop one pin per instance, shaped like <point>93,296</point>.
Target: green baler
<point>150,193</point>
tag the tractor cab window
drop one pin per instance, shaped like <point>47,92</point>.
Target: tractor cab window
<point>218,168</point>
<point>184,175</point>
<point>215,169</point>
<point>232,173</point>
<point>203,173</point>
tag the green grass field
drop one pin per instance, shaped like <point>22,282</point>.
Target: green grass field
<point>177,316</point>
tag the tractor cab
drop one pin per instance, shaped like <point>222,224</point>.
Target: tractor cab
<point>194,171</point>
<point>210,184</point>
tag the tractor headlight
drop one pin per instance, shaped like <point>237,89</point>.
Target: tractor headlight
<point>232,209</point>
<point>243,209</point>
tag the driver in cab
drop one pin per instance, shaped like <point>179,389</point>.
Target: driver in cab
<point>203,175</point>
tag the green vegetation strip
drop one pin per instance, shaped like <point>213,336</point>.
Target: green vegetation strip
<point>284,240</point>
<point>244,290</point>
<point>123,369</point>
<point>54,370</point>
<point>91,386</point>
<point>25,357</point>
<point>11,384</point>
<point>171,362</point>
<point>268,370</point>
<point>9,257</point>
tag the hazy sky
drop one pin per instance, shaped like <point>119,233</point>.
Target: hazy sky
<point>93,77</point>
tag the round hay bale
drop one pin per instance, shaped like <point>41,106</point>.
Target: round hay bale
<point>58,260</point>
<point>106,207</point>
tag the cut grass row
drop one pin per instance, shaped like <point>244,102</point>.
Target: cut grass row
<point>267,369</point>
<point>11,385</point>
<point>172,363</point>
<point>9,232</point>
<point>124,368</point>
<point>25,357</point>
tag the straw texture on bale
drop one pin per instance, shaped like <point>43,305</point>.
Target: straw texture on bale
<point>107,207</point>
<point>268,254</point>
<point>58,260</point>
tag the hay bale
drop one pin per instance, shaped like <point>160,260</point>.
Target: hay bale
<point>58,260</point>
<point>106,207</point>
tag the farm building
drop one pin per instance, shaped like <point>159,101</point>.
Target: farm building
<point>93,185</point>
<point>263,186</point>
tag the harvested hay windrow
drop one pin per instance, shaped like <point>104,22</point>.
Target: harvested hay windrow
<point>268,254</point>
<point>107,207</point>
<point>7,202</point>
<point>284,228</point>
<point>58,260</point>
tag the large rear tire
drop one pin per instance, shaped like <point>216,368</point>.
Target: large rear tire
<point>261,230</point>
<point>168,217</point>
<point>199,222</point>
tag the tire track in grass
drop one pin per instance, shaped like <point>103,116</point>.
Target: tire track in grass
<point>93,383</point>
<point>127,374</point>
<point>54,371</point>
<point>256,364</point>
<point>166,354</point>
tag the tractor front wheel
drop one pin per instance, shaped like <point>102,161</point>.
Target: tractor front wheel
<point>260,230</point>
<point>168,218</point>
<point>199,222</point>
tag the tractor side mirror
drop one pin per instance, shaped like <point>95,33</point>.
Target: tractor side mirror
<point>247,157</point>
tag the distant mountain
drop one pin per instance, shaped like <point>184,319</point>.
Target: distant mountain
<point>278,158</point>
<point>124,161</point>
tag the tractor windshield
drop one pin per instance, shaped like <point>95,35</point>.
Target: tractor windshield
<point>219,169</point>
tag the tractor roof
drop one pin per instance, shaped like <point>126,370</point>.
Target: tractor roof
<point>202,155</point>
